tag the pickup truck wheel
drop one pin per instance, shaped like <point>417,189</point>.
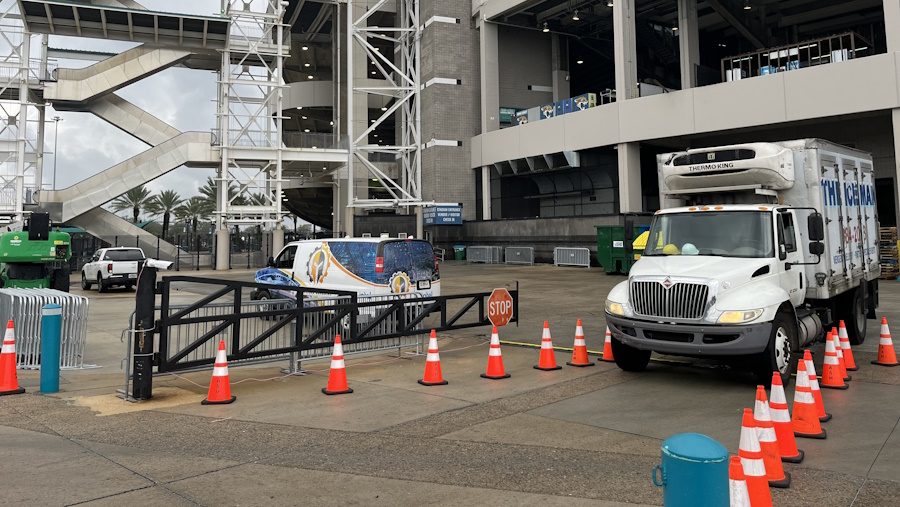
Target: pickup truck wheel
<point>782,352</point>
<point>263,295</point>
<point>852,310</point>
<point>101,287</point>
<point>85,284</point>
<point>629,358</point>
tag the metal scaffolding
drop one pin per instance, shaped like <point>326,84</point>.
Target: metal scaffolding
<point>249,114</point>
<point>21,120</point>
<point>401,76</point>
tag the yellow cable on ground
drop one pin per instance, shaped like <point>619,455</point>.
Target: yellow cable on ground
<point>537,346</point>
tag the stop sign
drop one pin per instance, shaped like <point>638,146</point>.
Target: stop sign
<point>500,307</point>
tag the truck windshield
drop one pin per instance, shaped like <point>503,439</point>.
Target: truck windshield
<point>714,233</point>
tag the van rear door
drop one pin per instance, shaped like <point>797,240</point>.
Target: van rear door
<point>413,257</point>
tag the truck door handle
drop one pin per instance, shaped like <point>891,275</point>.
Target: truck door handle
<point>787,266</point>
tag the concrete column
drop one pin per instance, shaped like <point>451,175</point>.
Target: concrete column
<point>486,193</point>
<point>223,249</point>
<point>892,20</point>
<point>277,240</point>
<point>624,49</point>
<point>559,55</point>
<point>895,115</point>
<point>420,223</point>
<point>630,177</point>
<point>688,42</point>
<point>490,77</point>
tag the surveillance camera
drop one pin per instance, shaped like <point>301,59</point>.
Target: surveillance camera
<point>158,264</point>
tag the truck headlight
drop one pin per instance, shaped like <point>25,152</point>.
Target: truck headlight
<point>615,308</point>
<point>739,316</point>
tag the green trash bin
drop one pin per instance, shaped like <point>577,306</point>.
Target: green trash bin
<point>611,252</point>
<point>459,252</point>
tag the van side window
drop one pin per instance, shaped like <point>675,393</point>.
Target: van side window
<point>788,234</point>
<point>285,259</point>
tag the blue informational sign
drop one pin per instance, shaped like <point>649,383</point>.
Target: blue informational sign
<point>445,214</point>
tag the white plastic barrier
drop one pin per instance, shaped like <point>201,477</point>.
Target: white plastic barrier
<point>519,255</point>
<point>23,307</point>
<point>571,256</point>
<point>484,254</point>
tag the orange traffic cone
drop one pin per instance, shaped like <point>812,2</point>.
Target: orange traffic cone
<point>781,420</point>
<point>832,378</point>
<point>219,388</point>
<point>495,369</point>
<point>579,351</point>
<point>805,417</point>
<point>814,387</point>
<point>337,375</point>
<point>886,354</point>
<point>737,484</point>
<point>433,376</point>
<point>9,382</point>
<point>768,441</point>
<point>547,359</point>
<point>849,362</point>
<point>607,347</point>
<point>840,354</point>
<point>753,463</point>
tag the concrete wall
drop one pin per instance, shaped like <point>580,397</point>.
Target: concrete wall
<point>525,59</point>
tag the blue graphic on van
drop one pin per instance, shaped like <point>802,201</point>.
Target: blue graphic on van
<point>274,276</point>
<point>852,195</point>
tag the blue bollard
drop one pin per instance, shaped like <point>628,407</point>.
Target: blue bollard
<point>51,337</point>
<point>693,472</point>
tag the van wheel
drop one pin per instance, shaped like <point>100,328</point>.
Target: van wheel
<point>263,295</point>
<point>782,352</point>
<point>852,310</point>
<point>629,358</point>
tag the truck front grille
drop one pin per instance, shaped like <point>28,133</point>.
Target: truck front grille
<point>680,301</point>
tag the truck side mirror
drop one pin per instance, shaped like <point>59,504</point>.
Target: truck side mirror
<point>271,262</point>
<point>816,227</point>
<point>816,248</point>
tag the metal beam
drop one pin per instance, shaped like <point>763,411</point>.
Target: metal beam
<point>751,34</point>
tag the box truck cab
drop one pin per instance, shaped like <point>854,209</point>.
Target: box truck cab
<point>368,266</point>
<point>759,249</point>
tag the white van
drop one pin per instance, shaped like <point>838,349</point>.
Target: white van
<point>367,266</point>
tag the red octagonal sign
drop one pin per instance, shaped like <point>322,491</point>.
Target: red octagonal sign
<point>500,307</point>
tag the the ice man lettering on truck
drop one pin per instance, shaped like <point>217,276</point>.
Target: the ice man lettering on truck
<point>852,195</point>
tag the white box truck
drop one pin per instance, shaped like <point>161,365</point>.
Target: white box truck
<point>758,249</point>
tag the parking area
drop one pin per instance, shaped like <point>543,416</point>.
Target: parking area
<point>573,436</point>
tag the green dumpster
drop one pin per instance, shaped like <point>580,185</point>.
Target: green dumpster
<point>611,252</point>
<point>459,252</point>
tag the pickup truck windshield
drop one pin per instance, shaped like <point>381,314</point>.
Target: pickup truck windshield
<point>124,255</point>
<point>713,233</point>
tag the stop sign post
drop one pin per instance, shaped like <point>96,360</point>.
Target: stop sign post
<point>500,307</point>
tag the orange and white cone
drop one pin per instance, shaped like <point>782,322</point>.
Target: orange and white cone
<point>547,359</point>
<point>804,416</point>
<point>814,386</point>
<point>219,387</point>
<point>579,350</point>
<point>9,381</point>
<point>337,375</point>
<point>495,369</point>
<point>886,354</point>
<point>753,463</point>
<point>737,484</point>
<point>832,377</point>
<point>768,441</point>
<point>849,362</point>
<point>840,354</point>
<point>433,375</point>
<point>781,421</point>
<point>607,347</point>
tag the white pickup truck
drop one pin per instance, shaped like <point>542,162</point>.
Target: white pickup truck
<point>758,249</point>
<point>112,267</point>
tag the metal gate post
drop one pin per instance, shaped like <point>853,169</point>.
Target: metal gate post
<point>144,313</point>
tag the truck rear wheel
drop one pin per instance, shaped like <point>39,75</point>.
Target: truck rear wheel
<point>852,310</point>
<point>629,358</point>
<point>782,352</point>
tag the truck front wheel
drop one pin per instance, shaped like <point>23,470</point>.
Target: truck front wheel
<point>782,352</point>
<point>629,358</point>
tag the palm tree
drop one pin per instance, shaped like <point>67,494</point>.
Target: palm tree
<point>136,199</point>
<point>209,192</point>
<point>192,210</point>
<point>165,204</point>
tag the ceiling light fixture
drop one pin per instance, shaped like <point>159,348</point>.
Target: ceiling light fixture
<point>305,48</point>
<point>306,65</point>
<point>609,3</point>
<point>546,27</point>
<point>575,16</point>
<point>373,72</point>
<point>306,130</point>
<point>579,62</point>
<point>310,77</point>
<point>674,28</point>
<point>747,5</point>
<point>304,117</point>
<point>331,123</point>
<point>384,108</point>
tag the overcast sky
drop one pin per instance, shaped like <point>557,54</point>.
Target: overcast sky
<point>182,97</point>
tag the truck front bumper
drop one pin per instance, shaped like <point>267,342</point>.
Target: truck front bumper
<point>691,340</point>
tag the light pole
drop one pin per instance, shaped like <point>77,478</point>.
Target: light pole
<point>56,120</point>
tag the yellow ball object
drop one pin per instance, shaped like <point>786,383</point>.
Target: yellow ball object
<point>671,249</point>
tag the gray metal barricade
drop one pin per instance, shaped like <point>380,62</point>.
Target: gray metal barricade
<point>484,254</point>
<point>519,255</point>
<point>572,256</point>
<point>23,307</point>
